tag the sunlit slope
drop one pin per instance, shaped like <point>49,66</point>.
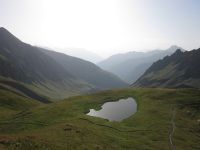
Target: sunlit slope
<point>64,125</point>
<point>12,103</point>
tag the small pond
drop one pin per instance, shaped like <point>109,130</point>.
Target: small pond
<point>116,111</point>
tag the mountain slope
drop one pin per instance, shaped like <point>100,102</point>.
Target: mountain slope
<point>130,66</point>
<point>14,102</point>
<point>18,61</point>
<point>28,70</point>
<point>178,70</point>
<point>86,71</point>
<point>24,63</point>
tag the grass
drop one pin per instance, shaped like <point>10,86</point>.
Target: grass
<point>64,125</point>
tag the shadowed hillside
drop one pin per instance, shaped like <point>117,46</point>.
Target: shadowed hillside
<point>181,69</point>
<point>24,63</point>
<point>86,71</point>
<point>55,78</point>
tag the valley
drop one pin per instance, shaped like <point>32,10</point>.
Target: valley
<point>131,65</point>
<point>48,74</point>
<point>50,100</point>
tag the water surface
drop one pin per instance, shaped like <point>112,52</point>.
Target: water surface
<point>116,111</point>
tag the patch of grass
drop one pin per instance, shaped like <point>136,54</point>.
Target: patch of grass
<point>13,101</point>
<point>64,125</point>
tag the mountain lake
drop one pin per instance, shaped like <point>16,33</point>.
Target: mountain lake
<point>116,111</point>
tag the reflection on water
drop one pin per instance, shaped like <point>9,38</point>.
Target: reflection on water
<point>116,111</point>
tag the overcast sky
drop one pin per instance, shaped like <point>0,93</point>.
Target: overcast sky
<point>104,27</point>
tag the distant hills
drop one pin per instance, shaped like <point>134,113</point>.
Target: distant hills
<point>26,68</point>
<point>43,74</point>
<point>181,69</point>
<point>130,66</point>
<point>79,53</point>
<point>83,54</point>
<point>86,71</point>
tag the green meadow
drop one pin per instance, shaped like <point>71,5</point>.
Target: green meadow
<point>165,119</point>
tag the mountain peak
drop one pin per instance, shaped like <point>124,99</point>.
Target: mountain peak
<point>175,47</point>
<point>6,36</point>
<point>178,52</point>
<point>4,30</point>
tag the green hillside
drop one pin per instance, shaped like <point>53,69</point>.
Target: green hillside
<point>12,103</point>
<point>64,125</point>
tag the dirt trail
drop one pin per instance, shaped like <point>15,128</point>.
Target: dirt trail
<point>173,147</point>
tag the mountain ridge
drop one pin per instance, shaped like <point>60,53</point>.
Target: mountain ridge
<point>28,65</point>
<point>86,70</point>
<point>181,69</point>
<point>130,66</point>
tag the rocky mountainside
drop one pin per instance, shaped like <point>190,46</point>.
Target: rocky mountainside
<point>181,69</point>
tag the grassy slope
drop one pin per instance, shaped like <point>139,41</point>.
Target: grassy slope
<point>45,92</point>
<point>63,125</point>
<point>12,104</point>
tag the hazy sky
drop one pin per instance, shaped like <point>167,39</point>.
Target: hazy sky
<point>104,26</point>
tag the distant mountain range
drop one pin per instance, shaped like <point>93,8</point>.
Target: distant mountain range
<point>130,66</point>
<point>181,69</point>
<point>30,70</point>
<point>79,53</point>
<point>86,71</point>
<point>43,74</point>
<point>83,54</point>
